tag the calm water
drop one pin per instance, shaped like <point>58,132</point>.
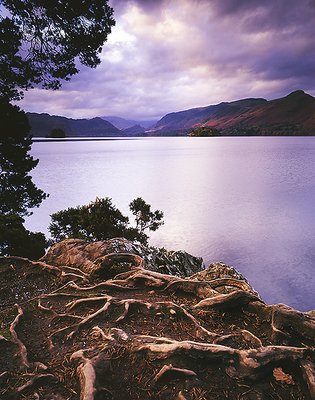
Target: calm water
<point>246,201</point>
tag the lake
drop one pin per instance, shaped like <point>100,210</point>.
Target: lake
<point>248,202</point>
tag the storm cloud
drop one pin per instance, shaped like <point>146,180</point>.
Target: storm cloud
<point>166,56</point>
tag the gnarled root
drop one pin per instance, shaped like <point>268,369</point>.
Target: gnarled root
<point>308,372</point>
<point>244,335</point>
<point>204,289</point>
<point>286,320</point>
<point>106,266</point>
<point>201,289</point>
<point>246,364</point>
<point>15,339</point>
<point>168,373</point>
<point>225,301</point>
<point>87,375</point>
<point>230,282</point>
<point>33,382</point>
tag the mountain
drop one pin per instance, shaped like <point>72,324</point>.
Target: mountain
<point>42,125</point>
<point>184,120</point>
<point>135,130</point>
<point>291,115</point>
<point>297,108</point>
<point>122,123</point>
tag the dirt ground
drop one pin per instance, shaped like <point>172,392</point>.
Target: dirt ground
<point>139,335</point>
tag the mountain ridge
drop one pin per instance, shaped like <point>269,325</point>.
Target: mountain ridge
<point>293,114</point>
<point>124,123</point>
<point>43,124</point>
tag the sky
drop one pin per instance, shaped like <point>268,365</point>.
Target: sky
<point>170,55</point>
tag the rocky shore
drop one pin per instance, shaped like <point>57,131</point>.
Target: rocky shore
<point>116,320</point>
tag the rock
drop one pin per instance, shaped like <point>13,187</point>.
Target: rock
<point>89,256</point>
<point>69,333</point>
<point>223,272</point>
<point>218,270</point>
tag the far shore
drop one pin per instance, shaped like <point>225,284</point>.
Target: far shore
<point>81,139</point>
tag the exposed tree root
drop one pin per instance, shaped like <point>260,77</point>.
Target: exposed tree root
<point>33,382</point>
<point>151,336</point>
<point>142,278</point>
<point>247,364</point>
<point>15,339</point>
<point>225,301</point>
<point>230,282</point>
<point>131,302</point>
<point>201,332</point>
<point>286,320</point>
<point>308,371</point>
<point>102,285</point>
<point>180,396</point>
<point>55,314</point>
<point>168,373</point>
<point>81,301</point>
<point>42,265</point>
<point>104,265</point>
<point>87,375</point>
<point>247,336</point>
<point>205,289</point>
<point>199,288</point>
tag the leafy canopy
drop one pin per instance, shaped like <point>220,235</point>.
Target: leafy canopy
<point>42,40</point>
<point>15,240</point>
<point>18,192</point>
<point>145,218</point>
<point>101,220</point>
<point>204,131</point>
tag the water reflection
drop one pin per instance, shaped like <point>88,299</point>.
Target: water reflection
<point>245,201</point>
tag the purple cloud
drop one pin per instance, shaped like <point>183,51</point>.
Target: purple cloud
<point>167,56</point>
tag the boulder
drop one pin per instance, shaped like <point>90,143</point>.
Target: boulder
<point>92,257</point>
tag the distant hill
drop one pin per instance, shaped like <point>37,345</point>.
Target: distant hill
<point>122,123</point>
<point>135,130</point>
<point>43,124</point>
<point>290,115</point>
<point>185,120</point>
<point>297,108</point>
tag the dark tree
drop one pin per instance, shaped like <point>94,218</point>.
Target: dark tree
<point>18,192</point>
<point>57,133</point>
<point>15,240</point>
<point>41,41</point>
<point>98,220</point>
<point>204,131</point>
<point>101,220</point>
<point>145,218</point>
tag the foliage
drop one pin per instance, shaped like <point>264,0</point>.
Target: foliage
<point>277,129</point>
<point>18,192</point>
<point>145,218</point>
<point>204,131</point>
<point>15,240</point>
<point>40,41</point>
<point>101,220</point>
<point>57,133</point>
